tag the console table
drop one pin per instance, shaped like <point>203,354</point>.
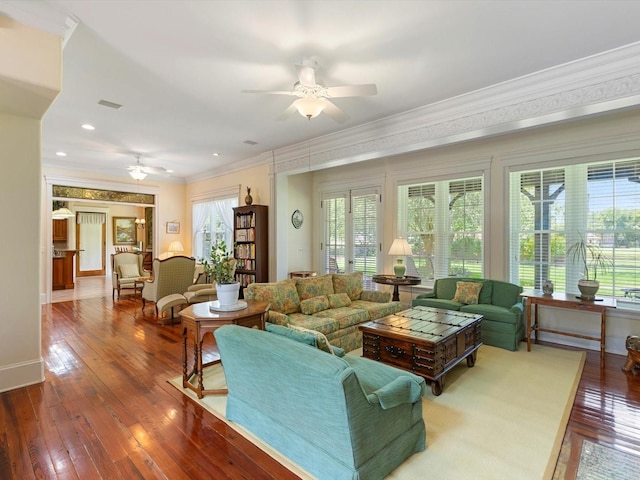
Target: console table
<point>396,282</point>
<point>572,302</point>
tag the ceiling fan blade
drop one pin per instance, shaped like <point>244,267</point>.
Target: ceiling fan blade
<point>270,92</point>
<point>352,90</point>
<point>155,170</point>
<point>332,110</point>
<point>287,113</point>
<point>306,75</point>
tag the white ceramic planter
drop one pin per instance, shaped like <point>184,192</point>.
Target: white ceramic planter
<point>588,288</point>
<point>228,293</point>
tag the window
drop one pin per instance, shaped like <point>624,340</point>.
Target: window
<point>443,223</point>
<point>552,208</point>
<point>212,221</point>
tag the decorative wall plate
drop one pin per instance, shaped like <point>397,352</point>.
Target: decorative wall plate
<point>297,219</point>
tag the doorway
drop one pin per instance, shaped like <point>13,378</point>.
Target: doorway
<point>91,238</point>
<point>351,223</point>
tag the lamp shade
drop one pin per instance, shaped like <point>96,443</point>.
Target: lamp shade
<point>400,247</point>
<point>176,247</point>
<point>63,212</point>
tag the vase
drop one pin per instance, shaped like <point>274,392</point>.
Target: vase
<point>228,293</point>
<point>248,199</point>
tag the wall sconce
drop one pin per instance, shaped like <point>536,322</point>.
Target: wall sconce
<point>141,222</point>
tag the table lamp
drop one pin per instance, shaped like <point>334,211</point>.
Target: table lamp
<point>400,247</point>
<point>175,247</point>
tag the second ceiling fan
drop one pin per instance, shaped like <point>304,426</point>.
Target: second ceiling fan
<point>313,98</point>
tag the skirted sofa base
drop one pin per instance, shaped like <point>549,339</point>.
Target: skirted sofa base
<point>333,304</point>
<point>499,303</point>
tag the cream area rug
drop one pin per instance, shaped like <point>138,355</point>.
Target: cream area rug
<point>503,418</point>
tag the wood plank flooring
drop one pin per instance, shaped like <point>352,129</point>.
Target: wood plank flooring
<point>106,410</point>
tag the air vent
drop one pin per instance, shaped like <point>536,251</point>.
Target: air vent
<point>107,103</point>
<point>250,142</point>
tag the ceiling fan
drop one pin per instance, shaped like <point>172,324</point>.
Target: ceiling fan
<point>140,171</point>
<point>313,98</point>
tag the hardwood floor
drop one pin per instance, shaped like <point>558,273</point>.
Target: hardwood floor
<point>106,410</point>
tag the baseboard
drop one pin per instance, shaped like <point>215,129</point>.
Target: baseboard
<point>21,374</point>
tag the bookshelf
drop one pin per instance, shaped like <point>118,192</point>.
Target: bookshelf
<point>251,250</point>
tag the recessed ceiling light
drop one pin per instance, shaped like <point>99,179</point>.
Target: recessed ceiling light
<point>216,154</point>
<point>86,126</point>
<point>61,154</point>
<point>169,171</point>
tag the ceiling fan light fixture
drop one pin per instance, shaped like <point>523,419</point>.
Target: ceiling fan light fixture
<point>310,107</point>
<point>137,173</point>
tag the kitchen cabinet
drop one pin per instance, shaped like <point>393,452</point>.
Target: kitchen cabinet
<point>60,230</point>
<point>62,272</point>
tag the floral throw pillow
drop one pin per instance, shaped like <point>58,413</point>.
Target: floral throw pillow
<point>315,304</point>
<point>467,292</point>
<point>337,300</point>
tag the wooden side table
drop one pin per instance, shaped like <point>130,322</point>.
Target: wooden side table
<point>396,282</point>
<point>198,320</point>
<point>572,302</point>
<point>302,274</point>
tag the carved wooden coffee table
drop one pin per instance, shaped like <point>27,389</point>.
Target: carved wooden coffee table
<point>423,340</point>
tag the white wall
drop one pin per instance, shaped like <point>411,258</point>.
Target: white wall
<point>30,69</point>
<point>300,241</point>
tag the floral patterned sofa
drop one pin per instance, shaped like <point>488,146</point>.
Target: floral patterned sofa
<point>332,304</point>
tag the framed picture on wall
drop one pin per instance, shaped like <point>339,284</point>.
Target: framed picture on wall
<point>173,227</point>
<point>124,230</point>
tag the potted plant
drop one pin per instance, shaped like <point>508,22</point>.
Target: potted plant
<point>221,268</point>
<point>592,259</point>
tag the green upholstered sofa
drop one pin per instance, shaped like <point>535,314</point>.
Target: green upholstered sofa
<point>332,304</point>
<point>337,417</point>
<point>499,302</point>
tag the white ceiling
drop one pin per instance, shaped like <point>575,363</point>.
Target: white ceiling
<point>178,68</point>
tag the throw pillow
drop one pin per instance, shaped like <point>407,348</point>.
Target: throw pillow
<point>321,341</point>
<point>302,337</point>
<point>129,270</point>
<point>315,304</point>
<point>350,283</point>
<point>282,295</point>
<point>337,300</point>
<point>314,286</point>
<point>467,292</point>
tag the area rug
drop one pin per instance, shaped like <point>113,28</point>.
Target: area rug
<point>599,462</point>
<point>503,418</point>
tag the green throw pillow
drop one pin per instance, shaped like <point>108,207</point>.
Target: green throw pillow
<point>321,341</point>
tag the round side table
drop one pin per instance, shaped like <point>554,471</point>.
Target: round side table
<point>396,282</point>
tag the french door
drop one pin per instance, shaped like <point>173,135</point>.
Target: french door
<point>352,233</point>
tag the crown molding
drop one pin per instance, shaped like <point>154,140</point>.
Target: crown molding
<point>602,83</point>
<point>41,15</point>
